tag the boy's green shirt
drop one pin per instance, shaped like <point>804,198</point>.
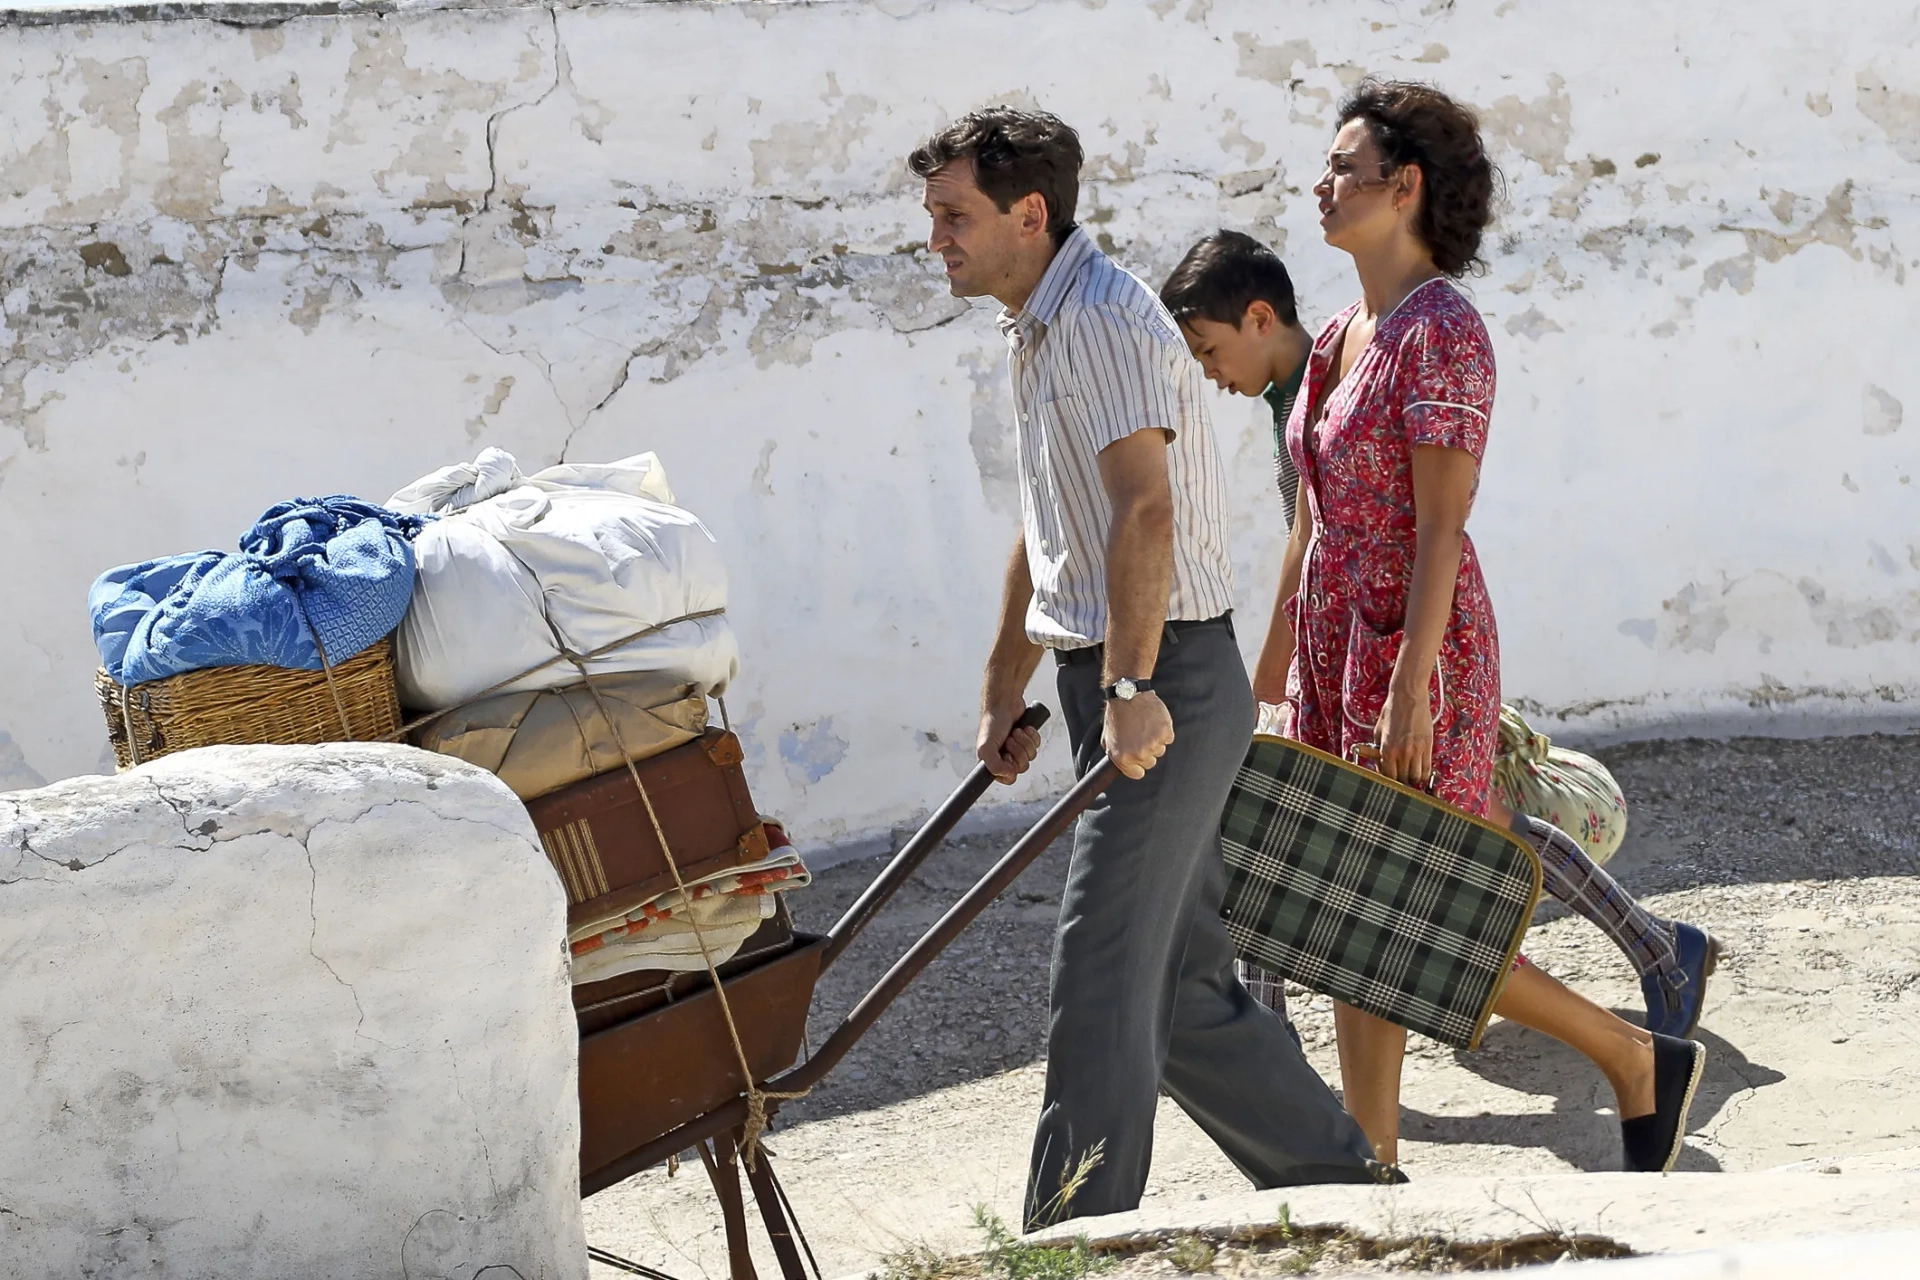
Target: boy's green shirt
<point>1280,397</point>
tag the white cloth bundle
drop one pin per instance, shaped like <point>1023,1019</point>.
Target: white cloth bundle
<point>728,906</point>
<point>670,943</point>
<point>592,552</point>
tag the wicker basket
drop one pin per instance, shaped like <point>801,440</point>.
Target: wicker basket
<point>237,705</point>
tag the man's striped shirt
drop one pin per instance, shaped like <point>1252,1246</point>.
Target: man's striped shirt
<point>1095,358</point>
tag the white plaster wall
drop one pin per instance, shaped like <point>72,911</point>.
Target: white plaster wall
<point>335,251</point>
<point>276,1011</point>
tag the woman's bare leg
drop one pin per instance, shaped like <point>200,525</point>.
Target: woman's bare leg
<point>1371,1051</point>
<point>1622,1051</point>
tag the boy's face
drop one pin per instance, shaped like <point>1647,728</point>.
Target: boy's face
<point>1238,358</point>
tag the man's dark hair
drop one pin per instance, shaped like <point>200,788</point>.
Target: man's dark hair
<point>1417,124</point>
<point>1225,274</point>
<point>1014,153</point>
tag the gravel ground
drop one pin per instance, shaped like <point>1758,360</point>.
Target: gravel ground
<point>1802,855</point>
<point>1746,811</point>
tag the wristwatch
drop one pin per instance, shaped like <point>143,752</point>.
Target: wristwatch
<point>1126,689</point>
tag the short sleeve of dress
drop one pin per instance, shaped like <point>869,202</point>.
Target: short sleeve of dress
<point>1448,388</point>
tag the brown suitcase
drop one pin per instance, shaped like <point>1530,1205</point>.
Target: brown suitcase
<point>599,838</point>
<point>598,1005</point>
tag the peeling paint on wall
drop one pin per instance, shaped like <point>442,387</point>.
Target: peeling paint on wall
<point>811,751</point>
<point>1880,411</point>
<point>1895,111</point>
<point>991,434</point>
<point>341,249</point>
<point>1540,128</point>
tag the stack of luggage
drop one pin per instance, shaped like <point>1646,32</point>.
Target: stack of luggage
<point>565,630</point>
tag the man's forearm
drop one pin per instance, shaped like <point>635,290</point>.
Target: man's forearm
<point>1010,666</point>
<point>1139,581</point>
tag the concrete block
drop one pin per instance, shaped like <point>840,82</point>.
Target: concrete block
<point>285,1011</point>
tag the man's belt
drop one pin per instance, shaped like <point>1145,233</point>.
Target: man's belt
<point>1170,635</point>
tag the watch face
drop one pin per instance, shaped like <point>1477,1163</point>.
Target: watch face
<point>1123,689</point>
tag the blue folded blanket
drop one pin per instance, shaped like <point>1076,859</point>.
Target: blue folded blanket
<point>337,566</point>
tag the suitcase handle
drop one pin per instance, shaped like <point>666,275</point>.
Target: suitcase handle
<point>1367,755</point>
<point>915,851</point>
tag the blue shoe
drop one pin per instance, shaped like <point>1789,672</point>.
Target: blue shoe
<point>1673,1008</point>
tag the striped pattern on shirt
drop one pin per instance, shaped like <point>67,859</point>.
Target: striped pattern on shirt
<point>1095,358</point>
<point>1285,477</point>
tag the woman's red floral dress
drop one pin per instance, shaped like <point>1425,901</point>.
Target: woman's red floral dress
<point>1425,378</point>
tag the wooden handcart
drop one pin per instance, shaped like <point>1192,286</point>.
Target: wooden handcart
<point>668,1080</point>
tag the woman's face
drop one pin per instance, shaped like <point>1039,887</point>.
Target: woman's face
<point>1357,193</point>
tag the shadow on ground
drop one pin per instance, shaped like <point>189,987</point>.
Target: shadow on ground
<point>1575,1130</point>
<point>1700,812</point>
<point>979,1010</point>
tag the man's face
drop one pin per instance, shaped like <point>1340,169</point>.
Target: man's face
<point>978,243</point>
<point>1235,357</point>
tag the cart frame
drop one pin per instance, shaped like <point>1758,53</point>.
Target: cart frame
<point>717,1134</point>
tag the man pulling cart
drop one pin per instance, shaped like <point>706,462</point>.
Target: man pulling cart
<point>1121,570</point>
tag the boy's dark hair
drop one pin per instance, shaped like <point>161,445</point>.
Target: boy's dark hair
<point>1417,124</point>
<point>1014,153</point>
<point>1225,274</point>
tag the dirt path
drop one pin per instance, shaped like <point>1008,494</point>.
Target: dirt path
<point>1804,856</point>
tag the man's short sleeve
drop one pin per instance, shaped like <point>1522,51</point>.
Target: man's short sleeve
<point>1124,373</point>
<point>1447,393</point>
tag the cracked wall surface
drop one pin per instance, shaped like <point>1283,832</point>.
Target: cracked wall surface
<point>249,257</point>
<point>254,977</point>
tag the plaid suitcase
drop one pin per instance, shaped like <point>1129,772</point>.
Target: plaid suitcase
<point>1371,892</point>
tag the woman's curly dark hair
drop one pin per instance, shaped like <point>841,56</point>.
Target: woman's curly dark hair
<point>1417,124</point>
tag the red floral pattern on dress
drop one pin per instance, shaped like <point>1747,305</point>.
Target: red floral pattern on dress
<point>1427,377</point>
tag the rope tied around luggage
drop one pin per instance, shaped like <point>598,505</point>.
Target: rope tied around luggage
<point>757,1098</point>
<point>562,654</point>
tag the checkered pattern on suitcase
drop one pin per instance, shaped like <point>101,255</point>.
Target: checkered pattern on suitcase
<point>1389,901</point>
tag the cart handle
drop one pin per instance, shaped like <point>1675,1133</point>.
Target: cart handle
<point>915,851</point>
<point>731,1115</point>
<point>947,928</point>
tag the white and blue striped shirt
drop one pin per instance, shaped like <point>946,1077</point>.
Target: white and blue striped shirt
<point>1095,358</point>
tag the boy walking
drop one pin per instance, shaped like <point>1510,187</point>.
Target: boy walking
<point>1234,301</point>
<point>1122,571</point>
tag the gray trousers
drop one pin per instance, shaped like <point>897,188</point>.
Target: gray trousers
<point>1143,994</point>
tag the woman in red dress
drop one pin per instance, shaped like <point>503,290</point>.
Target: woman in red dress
<point>1383,624</point>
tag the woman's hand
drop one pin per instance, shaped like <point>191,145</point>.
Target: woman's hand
<point>1405,734</point>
